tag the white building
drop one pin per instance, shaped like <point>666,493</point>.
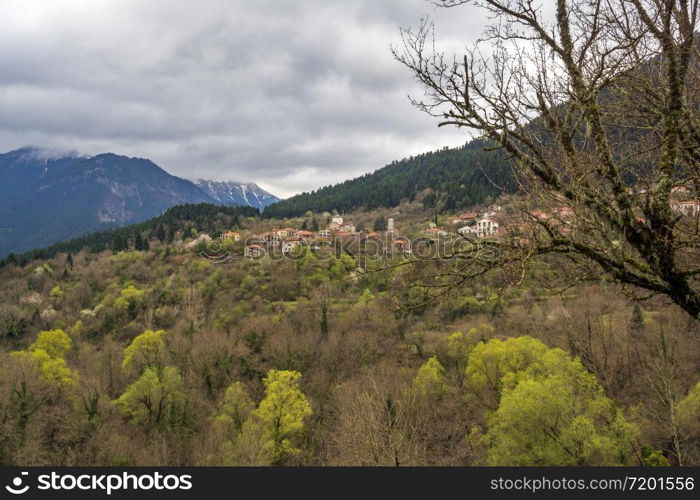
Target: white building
<point>687,208</point>
<point>338,220</point>
<point>486,227</point>
<point>290,244</point>
<point>467,230</point>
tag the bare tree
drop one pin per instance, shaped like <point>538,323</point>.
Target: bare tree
<point>595,105</point>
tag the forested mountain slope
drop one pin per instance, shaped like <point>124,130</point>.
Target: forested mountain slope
<point>459,177</point>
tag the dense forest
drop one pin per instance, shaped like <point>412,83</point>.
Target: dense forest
<point>458,178</point>
<point>157,356</point>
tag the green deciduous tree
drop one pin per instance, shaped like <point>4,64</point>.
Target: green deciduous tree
<point>282,412</point>
<point>233,410</point>
<point>688,411</point>
<point>47,356</point>
<point>147,349</point>
<point>490,362</point>
<point>130,299</point>
<point>549,409</point>
<point>430,379</point>
<point>54,370</point>
<point>155,398</point>
<point>56,343</point>
<point>558,420</point>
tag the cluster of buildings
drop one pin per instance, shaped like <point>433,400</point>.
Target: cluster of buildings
<point>288,239</point>
<point>472,224</point>
<point>476,224</point>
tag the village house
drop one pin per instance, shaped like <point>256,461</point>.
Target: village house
<point>435,231</point>
<point>337,219</point>
<point>286,232</point>
<point>688,208</point>
<point>486,227</point>
<point>253,251</point>
<point>320,241</point>
<point>453,219</point>
<point>324,233</point>
<point>271,239</point>
<point>346,234</point>
<point>290,244</point>
<point>493,210</point>
<point>402,245</point>
<point>348,227</point>
<point>467,216</point>
<point>305,234</point>
<point>334,226</point>
<point>231,235</point>
<point>467,230</point>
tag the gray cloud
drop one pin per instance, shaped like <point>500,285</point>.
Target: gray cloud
<point>292,95</point>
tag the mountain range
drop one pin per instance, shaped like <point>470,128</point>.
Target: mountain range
<point>47,196</point>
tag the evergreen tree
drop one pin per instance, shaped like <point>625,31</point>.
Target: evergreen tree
<point>636,324</point>
<point>380,223</point>
<point>140,243</point>
<point>324,321</point>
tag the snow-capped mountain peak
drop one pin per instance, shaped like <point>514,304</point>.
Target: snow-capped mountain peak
<point>236,193</point>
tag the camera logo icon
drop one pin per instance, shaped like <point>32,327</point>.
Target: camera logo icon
<point>16,488</point>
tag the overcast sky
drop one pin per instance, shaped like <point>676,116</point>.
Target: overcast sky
<point>293,95</point>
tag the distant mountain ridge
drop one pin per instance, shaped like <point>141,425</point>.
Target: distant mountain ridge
<point>48,196</point>
<point>236,193</point>
<point>181,219</point>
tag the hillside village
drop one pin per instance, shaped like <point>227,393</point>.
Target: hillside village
<point>494,221</point>
<point>288,240</point>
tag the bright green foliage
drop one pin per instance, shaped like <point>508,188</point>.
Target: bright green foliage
<point>130,299</point>
<point>56,292</point>
<point>457,348</point>
<point>366,297</point>
<point>56,343</point>
<point>249,447</point>
<point>52,369</point>
<point>234,409</point>
<point>147,349</point>
<point>155,396</point>
<point>689,413</point>
<point>558,421</point>
<point>282,412</point>
<point>551,411</point>
<point>489,362</point>
<point>653,458</point>
<point>241,435</point>
<point>430,380</point>
<point>47,353</point>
